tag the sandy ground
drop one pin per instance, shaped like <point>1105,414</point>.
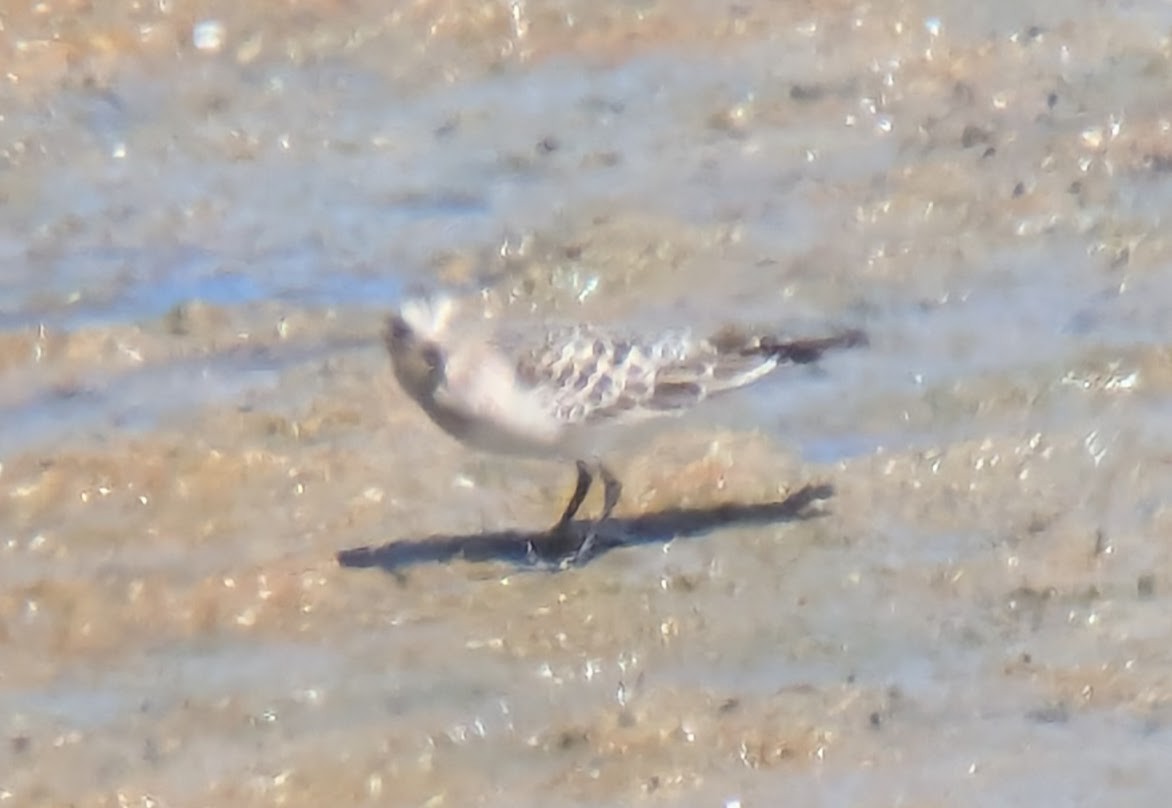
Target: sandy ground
<point>239,568</point>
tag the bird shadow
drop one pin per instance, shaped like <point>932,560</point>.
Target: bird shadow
<point>556,549</point>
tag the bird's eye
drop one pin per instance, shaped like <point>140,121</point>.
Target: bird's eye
<point>432,356</point>
<point>399,329</point>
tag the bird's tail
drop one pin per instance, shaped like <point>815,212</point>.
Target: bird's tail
<point>795,351</point>
<point>805,351</point>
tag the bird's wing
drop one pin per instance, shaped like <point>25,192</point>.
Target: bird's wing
<point>591,374</point>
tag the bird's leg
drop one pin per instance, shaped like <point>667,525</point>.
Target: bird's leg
<point>612,489</point>
<point>562,530</point>
<point>585,479</point>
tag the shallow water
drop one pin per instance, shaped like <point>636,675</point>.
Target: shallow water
<point>237,567</point>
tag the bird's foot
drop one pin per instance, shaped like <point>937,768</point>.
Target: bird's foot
<point>567,545</point>
<point>584,552</point>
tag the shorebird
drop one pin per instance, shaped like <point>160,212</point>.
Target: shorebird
<point>556,392</point>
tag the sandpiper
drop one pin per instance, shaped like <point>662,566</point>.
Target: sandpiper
<point>562,392</point>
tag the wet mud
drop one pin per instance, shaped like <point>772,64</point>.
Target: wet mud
<point>239,567</point>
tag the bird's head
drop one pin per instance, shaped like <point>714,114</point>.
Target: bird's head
<point>415,337</point>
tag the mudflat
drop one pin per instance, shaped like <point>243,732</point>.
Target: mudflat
<point>238,566</point>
